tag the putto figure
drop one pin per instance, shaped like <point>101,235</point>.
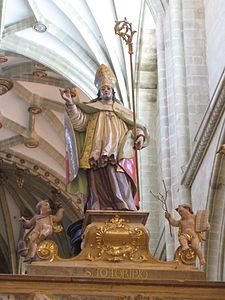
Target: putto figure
<point>191,226</point>
<point>42,225</point>
<point>100,147</point>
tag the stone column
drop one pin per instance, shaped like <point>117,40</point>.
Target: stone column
<point>146,85</point>
<point>163,138</point>
<point>173,110</point>
<point>180,107</point>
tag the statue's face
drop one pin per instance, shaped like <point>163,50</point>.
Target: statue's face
<point>44,207</point>
<point>182,210</point>
<point>106,92</point>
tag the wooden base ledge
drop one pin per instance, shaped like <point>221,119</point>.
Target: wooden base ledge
<point>74,288</point>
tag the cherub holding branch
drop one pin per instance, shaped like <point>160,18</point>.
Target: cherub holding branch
<point>191,227</point>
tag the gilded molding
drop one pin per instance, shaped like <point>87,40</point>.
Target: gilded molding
<point>209,126</point>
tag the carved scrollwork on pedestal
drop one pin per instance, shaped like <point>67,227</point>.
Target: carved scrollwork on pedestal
<point>116,240</point>
<point>187,257</point>
<point>47,250</point>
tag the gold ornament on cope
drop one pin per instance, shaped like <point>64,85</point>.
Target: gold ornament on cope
<point>116,240</point>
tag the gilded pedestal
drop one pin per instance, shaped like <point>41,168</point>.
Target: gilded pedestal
<point>115,246</point>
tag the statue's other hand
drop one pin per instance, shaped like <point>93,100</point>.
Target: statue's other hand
<point>167,215</point>
<point>208,226</point>
<point>139,142</point>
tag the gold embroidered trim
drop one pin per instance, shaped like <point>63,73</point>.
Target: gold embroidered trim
<point>84,161</point>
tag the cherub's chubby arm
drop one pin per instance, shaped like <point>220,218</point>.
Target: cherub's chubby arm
<point>28,223</point>
<point>59,214</point>
<point>171,220</point>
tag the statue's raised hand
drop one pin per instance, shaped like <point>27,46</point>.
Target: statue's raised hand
<point>66,95</point>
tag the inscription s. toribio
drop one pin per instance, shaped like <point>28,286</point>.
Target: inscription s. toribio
<point>117,273</point>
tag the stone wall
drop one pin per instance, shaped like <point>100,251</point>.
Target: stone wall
<point>190,59</point>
